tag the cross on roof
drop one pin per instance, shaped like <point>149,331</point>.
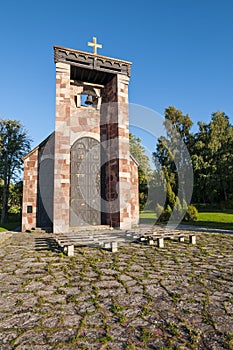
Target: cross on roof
<point>95,45</point>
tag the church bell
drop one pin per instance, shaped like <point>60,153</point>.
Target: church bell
<point>89,100</point>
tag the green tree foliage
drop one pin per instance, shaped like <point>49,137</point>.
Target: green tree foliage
<point>212,157</point>
<point>171,150</point>
<point>144,169</point>
<point>15,197</point>
<point>211,151</point>
<point>173,156</point>
<point>14,144</point>
<point>171,197</point>
<point>191,214</point>
<point>157,189</point>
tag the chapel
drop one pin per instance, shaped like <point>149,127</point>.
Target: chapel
<point>83,173</point>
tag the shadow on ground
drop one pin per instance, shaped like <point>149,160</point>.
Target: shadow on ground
<point>46,244</point>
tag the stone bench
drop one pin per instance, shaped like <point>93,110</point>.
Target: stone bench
<point>68,246</point>
<point>150,239</point>
<point>112,246</point>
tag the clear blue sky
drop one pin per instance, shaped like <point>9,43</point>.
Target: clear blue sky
<point>182,53</point>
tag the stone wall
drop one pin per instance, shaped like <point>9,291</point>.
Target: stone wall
<point>134,192</point>
<point>37,210</point>
<point>122,194</point>
<point>109,140</point>
<point>44,217</point>
<point>30,184</point>
<point>124,153</point>
<point>62,150</point>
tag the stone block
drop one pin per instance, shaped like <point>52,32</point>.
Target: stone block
<point>160,242</point>
<point>151,241</point>
<point>69,250</point>
<point>107,245</point>
<point>192,239</point>
<point>130,234</point>
<point>114,247</point>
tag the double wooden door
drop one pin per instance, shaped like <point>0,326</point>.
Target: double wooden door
<point>86,183</point>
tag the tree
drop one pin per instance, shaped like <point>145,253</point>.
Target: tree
<point>211,155</point>
<point>171,150</point>
<point>14,144</point>
<point>221,137</point>
<point>213,160</point>
<point>172,153</point>
<point>15,196</point>
<point>144,169</point>
<point>201,164</point>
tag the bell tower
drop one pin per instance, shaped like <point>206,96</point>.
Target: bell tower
<point>95,178</point>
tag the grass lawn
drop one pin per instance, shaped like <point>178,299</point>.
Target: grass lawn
<point>212,219</point>
<point>147,217</point>
<point>215,219</point>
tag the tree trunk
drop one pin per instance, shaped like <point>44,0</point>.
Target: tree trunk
<point>5,196</point>
<point>225,194</point>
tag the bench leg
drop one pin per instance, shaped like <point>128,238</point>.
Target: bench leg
<point>160,242</point>
<point>181,239</point>
<point>69,250</point>
<point>107,245</point>
<point>192,239</point>
<point>114,247</point>
<point>151,242</point>
<point>111,246</point>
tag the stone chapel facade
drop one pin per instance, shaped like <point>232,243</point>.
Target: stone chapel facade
<point>83,173</point>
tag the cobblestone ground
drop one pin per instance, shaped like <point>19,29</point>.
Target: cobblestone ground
<point>141,297</point>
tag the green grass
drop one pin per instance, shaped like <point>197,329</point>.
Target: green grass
<point>147,217</point>
<point>212,219</point>
<point>215,219</point>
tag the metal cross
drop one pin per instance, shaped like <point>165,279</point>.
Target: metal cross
<point>95,45</point>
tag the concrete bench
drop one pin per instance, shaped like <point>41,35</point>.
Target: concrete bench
<point>113,246</point>
<point>150,239</point>
<point>66,247</point>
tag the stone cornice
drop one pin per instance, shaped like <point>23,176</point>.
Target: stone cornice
<point>91,61</point>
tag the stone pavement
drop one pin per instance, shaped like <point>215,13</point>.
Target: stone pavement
<point>140,297</point>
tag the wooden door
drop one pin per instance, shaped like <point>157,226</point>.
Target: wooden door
<point>85,187</point>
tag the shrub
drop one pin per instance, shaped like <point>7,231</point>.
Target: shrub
<point>191,214</point>
<point>171,197</point>
<point>177,210</point>
<point>14,210</point>
<point>158,210</point>
<point>165,214</point>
